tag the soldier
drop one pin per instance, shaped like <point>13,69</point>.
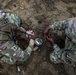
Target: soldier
<point>68,53</point>
<point>9,51</point>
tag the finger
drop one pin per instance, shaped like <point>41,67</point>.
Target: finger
<point>32,34</point>
<point>30,30</point>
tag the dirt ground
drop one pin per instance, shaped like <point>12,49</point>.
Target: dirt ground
<point>38,14</point>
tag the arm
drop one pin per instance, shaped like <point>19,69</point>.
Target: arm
<point>58,27</point>
<point>6,18</point>
<point>27,51</point>
<point>9,18</point>
<point>15,53</point>
<point>55,28</point>
<point>13,19</point>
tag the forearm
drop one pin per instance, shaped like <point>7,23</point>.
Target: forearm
<point>26,53</point>
<point>22,29</point>
<point>29,49</point>
<point>58,25</point>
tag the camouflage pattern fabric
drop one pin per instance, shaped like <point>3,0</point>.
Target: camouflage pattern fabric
<point>8,49</point>
<point>12,53</point>
<point>68,53</point>
<point>13,18</point>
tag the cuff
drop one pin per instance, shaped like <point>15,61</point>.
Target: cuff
<point>30,46</point>
<point>29,49</point>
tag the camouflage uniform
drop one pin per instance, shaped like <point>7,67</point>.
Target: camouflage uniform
<point>68,53</point>
<point>9,51</point>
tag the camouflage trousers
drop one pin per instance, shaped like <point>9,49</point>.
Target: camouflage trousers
<point>65,55</point>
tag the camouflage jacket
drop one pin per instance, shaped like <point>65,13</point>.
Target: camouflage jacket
<point>9,51</point>
<point>68,53</point>
<point>67,26</point>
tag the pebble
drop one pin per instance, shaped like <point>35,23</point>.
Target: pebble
<point>21,8</point>
<point>35,53</point>
<point>18,68</point>
<point>14,5</point>
<point>40,65</point>
<point>39,50</point>
<point>57,71</point>
<point>44,58</point>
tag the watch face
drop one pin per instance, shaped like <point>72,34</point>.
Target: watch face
<point>38,41</point>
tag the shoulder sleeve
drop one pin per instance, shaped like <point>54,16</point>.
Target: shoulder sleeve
<point>14,19</point>
<point>58,27</point>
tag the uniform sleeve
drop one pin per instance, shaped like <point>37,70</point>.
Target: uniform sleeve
<point>58,27</point>
<point>6,18</point>
<point>13,19</point>
<point>14,53</point>
<point>27,53</point>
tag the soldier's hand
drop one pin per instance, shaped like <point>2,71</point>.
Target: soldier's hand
<point>49,39</point>
<point>46,31</point>
<point>29,34</point>
<point>31,42</point>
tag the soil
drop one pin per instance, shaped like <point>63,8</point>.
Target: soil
<point>37,15</point>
